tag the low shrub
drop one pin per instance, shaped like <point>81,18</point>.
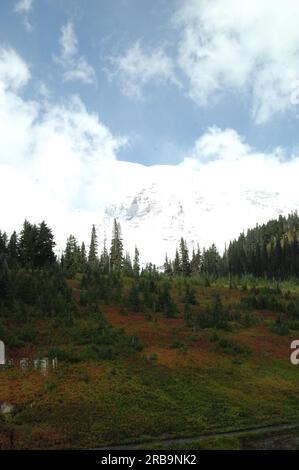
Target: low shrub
<point>232,347</point>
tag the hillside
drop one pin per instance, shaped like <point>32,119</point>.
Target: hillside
<point>101,352</point>
<point>126,376</point>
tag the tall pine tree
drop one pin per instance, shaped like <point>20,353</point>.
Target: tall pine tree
<point>184,255</point>
<point>93,248</point>
<point>136,264</point>
<point>116,250</point>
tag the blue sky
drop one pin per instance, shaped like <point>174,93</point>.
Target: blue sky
<point>163,123</point>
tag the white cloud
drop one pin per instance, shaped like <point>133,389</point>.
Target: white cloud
<point>138,68</point>
<point>218,144</point>
<point>50,155</point>
<point>250,47</point>
<point>229,167</point>
<point>76,68</point>
<point>80,70</point>
<point>24,7</point>
<point>68,41</point>
<point>14,73</point>
<point>28,25</point>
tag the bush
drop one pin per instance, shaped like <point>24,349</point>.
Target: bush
<point>124,312</point>
<point>134,300</point>
<point>188,315</point>
<point>214,337</point>
<point>97,352</point>
<point>189,295</point>
<point>135,343</point>
<point>215,316</point>
<point>64,355</point>
<point>9,338</point>
<point>84,298</point>
<point>232,347</point>
<point>249,319</point>
<point>177,344</point>
<point>264,299</point>
<point>50,387</point>
<point>27,334</point>
<point>171,310</point>
<point>281,326</point>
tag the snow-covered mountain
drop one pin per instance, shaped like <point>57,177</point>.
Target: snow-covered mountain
<point>157,205</point>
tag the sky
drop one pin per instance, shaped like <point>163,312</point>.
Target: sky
<point>84,85</point>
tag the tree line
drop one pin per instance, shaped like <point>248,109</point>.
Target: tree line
<point>76,258</point>
<point>269,250</point>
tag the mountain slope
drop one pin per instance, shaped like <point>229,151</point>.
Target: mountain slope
<point>157,205</point>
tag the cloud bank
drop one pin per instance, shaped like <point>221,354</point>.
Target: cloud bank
<point>58,162</point>
<point>50,154</point>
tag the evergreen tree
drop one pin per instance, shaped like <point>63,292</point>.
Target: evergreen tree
<point>71,257</point>
<point>36,245</point>
<point>127,265</point>
<point>211,261</point>
<point>116,250</point>
<point>150,269</point>
<point>133,300</point>
<point>13,250</point>
<point>93,248</point>
<point>167,266</point>
<point>165,304</point>
<point>83,257</point>
<point>3,242</point>
<point>189,295</point>
<point>195,264</point>
<point>44,246</point>
<point>225,264</point>
<point>27,244</point>
<point>136,264</point>
<point>4,277</point>
<point>177,271</point>
<point>218,314</point>
<point>105,261</point>
<point>184,256</point>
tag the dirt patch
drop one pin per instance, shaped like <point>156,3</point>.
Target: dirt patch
<point>263,342</point>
